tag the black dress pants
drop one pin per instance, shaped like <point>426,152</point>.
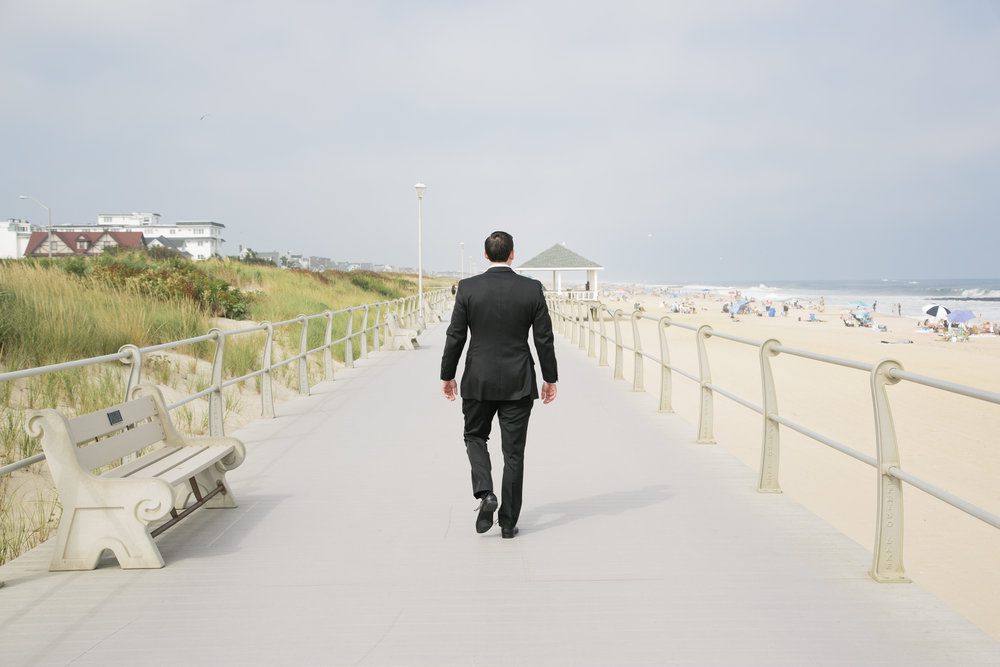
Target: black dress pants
<point>513,417</point>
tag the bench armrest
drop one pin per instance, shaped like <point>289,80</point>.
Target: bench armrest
<point>233,460</point>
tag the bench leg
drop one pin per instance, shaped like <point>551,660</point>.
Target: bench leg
<point>401,342</point>
<point>206,481</point>
<point>84,532</point>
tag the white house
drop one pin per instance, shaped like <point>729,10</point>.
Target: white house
<point>14,237</point>
<point>199,238</point>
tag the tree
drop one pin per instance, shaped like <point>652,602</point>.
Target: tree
<point>161,252</point>
<point>251,257</point>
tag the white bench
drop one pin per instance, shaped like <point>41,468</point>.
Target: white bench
<point>400,338</point>
<point>114,510</point>
<point>431,313</point>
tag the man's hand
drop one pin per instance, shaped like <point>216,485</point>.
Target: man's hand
<point>548,392</point>
<point>450,389</point>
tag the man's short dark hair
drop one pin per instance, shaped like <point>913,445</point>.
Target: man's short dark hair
<point>499,245</point>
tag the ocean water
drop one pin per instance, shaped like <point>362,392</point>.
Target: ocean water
<point>981,296</point>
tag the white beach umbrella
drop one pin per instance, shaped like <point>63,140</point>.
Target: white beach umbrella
<point>934,310</point>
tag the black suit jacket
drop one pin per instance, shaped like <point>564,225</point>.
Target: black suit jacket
<point>498,307</point>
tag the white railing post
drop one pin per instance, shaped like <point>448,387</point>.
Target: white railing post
<point>364,334</point>
<point>134,359</point>
<point>706,435</point>
<point>266,388</point>
<point>592,336</point>
<point>571,333</point>
<point>637,365</point>
<point>574,307</point>
<point>376,342</point>
<point>619,350</point>
<point>216,427</point>
<point>581,309</point>
<point>348,343</point>
<point>666,387</point>
<point>328,347</point>
<point>303,362</point>
<point>412,320</point>
<point>767,480</point>
<point>575,323</point>
<point>887,561</point>
<point>603,359</point>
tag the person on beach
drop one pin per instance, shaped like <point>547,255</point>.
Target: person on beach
<point>499,307</point>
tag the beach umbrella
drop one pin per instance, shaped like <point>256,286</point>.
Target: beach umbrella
<point>937,311</point>
<point>857,304</point>
<point>961,316</point>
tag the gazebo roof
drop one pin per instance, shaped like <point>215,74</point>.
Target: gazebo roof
<point>559,258</point>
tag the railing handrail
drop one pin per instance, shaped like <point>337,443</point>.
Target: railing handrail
<point>131,354</point>
<point>887,554</point>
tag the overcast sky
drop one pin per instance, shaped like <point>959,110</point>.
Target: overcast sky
<point>668,141</point>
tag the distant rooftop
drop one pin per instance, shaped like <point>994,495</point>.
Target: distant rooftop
<point>559,257</point>
<point>199,222</point>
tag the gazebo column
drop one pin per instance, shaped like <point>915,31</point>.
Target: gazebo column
<point>592,279</point>
<point>558,282</point>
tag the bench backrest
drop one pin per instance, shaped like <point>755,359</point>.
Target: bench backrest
<point>123,429</point>
<point>392,319</point>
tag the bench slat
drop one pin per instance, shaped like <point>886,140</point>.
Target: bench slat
<point>194,465</point>
<point>98,424</point>
<point>111,449</point>
<point>132,467</point>
<point>165,463</point>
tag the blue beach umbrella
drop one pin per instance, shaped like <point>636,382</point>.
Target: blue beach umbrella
<point>858,304</point>
<point>961,316</point>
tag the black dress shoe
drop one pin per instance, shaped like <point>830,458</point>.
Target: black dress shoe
<point>487,506</point>
<point>508,533</point>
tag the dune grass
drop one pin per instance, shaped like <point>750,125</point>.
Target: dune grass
<point>48,316</point>
<point>53,311</point>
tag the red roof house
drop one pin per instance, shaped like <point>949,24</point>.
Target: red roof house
<point>68,244</point>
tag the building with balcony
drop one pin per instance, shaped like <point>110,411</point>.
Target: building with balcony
<point>14,237</point>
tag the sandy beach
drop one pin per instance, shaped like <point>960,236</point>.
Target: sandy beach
<point>944,439</point>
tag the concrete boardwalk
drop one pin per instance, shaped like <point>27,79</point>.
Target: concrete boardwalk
<point>354,545</point>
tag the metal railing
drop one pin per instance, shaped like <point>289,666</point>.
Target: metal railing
<point>405,309</point>
<point>583,322</point>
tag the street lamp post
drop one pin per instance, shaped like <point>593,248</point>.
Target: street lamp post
<point>461,260</point>
<point>420,188</point>
<point>49,211</point>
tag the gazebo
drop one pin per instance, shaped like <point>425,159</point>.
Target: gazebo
<point>559,258</point>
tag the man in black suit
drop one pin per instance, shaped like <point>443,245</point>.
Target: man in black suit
<point>499,307</point>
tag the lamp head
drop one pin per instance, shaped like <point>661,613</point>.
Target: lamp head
<point>420,188</point>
